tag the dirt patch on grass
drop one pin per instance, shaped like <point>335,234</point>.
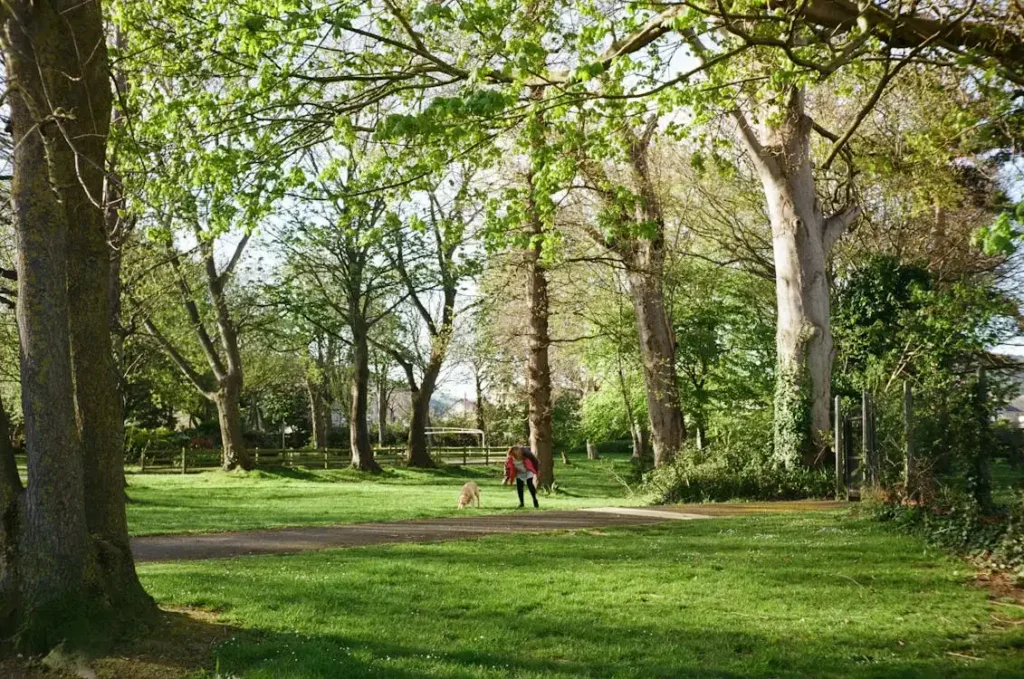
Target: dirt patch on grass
<point>1003,591</point>
<point>310,538</point>
<point>180,644</point>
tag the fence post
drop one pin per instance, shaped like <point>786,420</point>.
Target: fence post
<point>142,460</point>
<point>908,436</point>
<point>465,456</point>
<point>325,459</point>
<point>182,460</point>
<point>257,457</point>
<point>487,456</point>
<point>840,449</point>
<point>982,472</point>
<point>867,444</point>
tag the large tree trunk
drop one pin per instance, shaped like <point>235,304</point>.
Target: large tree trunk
<point>419,454</point>
<point>51,541</point>
<point>359,431</point>
<point>234,454</point>
<point>60,112</point>
<point>538,375</point>
<point>538,369</point>
<point>97,380</point>
<point>801,239</point>
<point>644,258</point>
<point>803,335</point>
<point>658,353</point>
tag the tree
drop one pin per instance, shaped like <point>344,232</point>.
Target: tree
<point>64,551</point>
<point>429,256</point>
<point>779,146</point>
<point>321,364</point>
<point>632,226</point>
<point>336,276</point>
<point>222,382</point>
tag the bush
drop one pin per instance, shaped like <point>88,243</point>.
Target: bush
<point>958,522</point>
<point>138,439</point>
<point>719,480</point>
<point>267,440</point>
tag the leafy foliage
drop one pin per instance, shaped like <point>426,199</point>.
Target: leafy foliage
<point>956,521</point>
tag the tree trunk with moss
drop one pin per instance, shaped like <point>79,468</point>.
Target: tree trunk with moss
<point>63,543</point>
<point>639,240</point>
<point>802,237</point>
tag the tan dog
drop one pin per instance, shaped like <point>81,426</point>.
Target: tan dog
<point>470,492</point>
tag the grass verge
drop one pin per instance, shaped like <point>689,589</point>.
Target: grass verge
<point>218,501</point>
<point>812,595</point>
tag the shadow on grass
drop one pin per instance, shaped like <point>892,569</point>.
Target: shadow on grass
<point>197,647</point>
<point>681,600</point>
<point>292,473</point>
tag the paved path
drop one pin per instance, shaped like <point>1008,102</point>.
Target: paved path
<point>309,538</point>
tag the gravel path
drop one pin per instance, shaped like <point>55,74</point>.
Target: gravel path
<point>310,538</point>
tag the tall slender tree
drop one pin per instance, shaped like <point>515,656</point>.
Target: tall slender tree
<point>429,255</point>
<point>222,381</point>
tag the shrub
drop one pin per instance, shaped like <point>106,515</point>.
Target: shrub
<point>958,522</point>
<point>138,439</point>
<point>720,479</point>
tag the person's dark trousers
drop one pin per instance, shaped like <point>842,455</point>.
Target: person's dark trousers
<point>533,491</point>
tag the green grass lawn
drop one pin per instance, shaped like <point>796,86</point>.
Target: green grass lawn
<point>812,595</point>
<point>218,501</point>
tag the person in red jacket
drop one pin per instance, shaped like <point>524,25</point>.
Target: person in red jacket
<point>523,467</point>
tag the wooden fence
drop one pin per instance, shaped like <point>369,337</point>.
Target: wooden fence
<point>187,459</point>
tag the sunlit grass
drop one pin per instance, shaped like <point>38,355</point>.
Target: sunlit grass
<point>218,501</point>
<point>815,595</point>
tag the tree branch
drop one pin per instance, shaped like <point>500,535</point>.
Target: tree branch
<point>179,359</point>
<point>837,224</point>
<point>237,255</point>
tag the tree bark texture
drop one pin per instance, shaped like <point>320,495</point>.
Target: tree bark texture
<point>52,570</point>
<point>801,239</point>
<point>229,373</point>
<point>657,351</point>
<point>229,413</point>
<point>639,240</point>
<point>319,415</point>
<point>359,431</point>
<point>419,453</point>
<point>538,373</point>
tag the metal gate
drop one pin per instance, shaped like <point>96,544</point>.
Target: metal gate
<point>855,442</point>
